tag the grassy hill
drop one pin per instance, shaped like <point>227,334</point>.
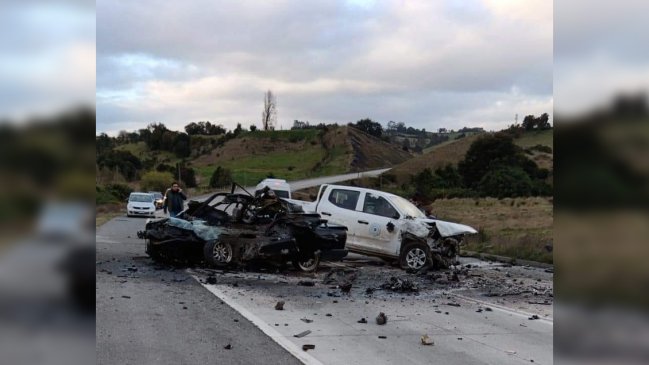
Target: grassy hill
<point>291,154</point>
<point>453,151</point>
<point>439,156</point>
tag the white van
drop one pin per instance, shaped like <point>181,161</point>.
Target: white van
<point>279,186</point>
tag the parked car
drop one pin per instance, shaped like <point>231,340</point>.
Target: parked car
<point>279,186</point>
<point>231,229</point>
<point>140,204</point>
<point>159,199</point>
<point>389,226</point>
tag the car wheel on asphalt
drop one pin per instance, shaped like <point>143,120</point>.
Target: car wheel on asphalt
<point>307,264</point>
<point>218,253</point>
<point>414,256</point>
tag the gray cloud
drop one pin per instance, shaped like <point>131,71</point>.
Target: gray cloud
<point>424,63</point>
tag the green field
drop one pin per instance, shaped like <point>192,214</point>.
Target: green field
<point>285,165</point>
<point>530,139</point>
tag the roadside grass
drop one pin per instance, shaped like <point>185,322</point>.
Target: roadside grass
<point>106,212</point>
<point>513,227</point>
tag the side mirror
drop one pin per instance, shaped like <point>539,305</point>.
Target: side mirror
<point>395,216</point>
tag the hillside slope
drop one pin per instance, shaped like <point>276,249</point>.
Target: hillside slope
<point>371,152</point>
<point>439,156</point>
<point>454,151</point>
<point>298,154</point>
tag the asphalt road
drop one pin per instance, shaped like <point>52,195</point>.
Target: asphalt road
<point>154,315</point>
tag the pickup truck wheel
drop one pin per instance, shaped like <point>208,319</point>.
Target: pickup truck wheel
<point>218,253</point>
<point>307,264</point>
<point>414,256</point>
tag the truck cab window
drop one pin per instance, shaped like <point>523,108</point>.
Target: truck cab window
<point>345,199</point>
<point>379,206</point>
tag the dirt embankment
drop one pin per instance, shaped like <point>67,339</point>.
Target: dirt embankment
<point>371,152</point>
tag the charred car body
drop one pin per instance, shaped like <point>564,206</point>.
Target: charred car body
<point>232,228</point>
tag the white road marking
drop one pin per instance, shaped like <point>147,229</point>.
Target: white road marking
<point>292,348</point>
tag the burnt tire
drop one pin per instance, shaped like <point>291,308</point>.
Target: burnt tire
<point>414,256</point>
<point>219,254</point>
<point>308,263</point>
<point>153,251</point>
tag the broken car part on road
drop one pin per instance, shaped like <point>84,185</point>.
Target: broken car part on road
<point>231,229</point>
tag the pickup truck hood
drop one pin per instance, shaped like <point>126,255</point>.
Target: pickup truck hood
<point>448,229</point>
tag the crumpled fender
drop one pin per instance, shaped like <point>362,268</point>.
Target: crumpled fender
<point>449,229</point>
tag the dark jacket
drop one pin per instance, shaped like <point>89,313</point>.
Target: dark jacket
<point>174,200</point>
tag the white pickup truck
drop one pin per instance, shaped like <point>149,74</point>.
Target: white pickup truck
<point>388,226</point>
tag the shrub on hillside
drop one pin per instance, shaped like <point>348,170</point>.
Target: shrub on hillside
<point>156,181</point>
<point>221,177</point>
<point>506,181</point>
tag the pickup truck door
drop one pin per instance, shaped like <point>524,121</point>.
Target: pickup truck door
<point>339,206</point>
<point>373,233</point>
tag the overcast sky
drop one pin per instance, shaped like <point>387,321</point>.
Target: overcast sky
<point>429,64</point>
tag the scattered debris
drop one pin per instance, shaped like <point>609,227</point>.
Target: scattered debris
<point>401,285</point>
<point>302,334</point>
<point>369,291</point>
<point>308,347</point>
<point>533,317</point>
<point>227,347</point>
<point>488,309</point>
<point>459,338</point>
<point>453,304</point>
<point>383,337</point>
<point>306,320</point>
<point>362,320</point>
<point>381,319</point>
<point>510,352</point>
<point>211,280</point>
<point>427,341</point>
<point>126,296</point>
<point>306,283</point>
<point>328,314</point>
<point>279,306</point>
<point>346,287</point>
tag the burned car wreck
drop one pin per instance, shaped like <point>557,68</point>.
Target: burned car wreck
<point>230,229</point>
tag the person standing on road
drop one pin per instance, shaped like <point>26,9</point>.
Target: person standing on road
<point>174,200</point>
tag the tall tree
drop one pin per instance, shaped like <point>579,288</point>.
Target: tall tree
<point>269,115</point>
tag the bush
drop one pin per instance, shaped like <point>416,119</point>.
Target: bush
<point>156,181</point>
<point>120,191</point>
<point>221,177</point>
<point>506,181</point>
<point>113,193</point>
